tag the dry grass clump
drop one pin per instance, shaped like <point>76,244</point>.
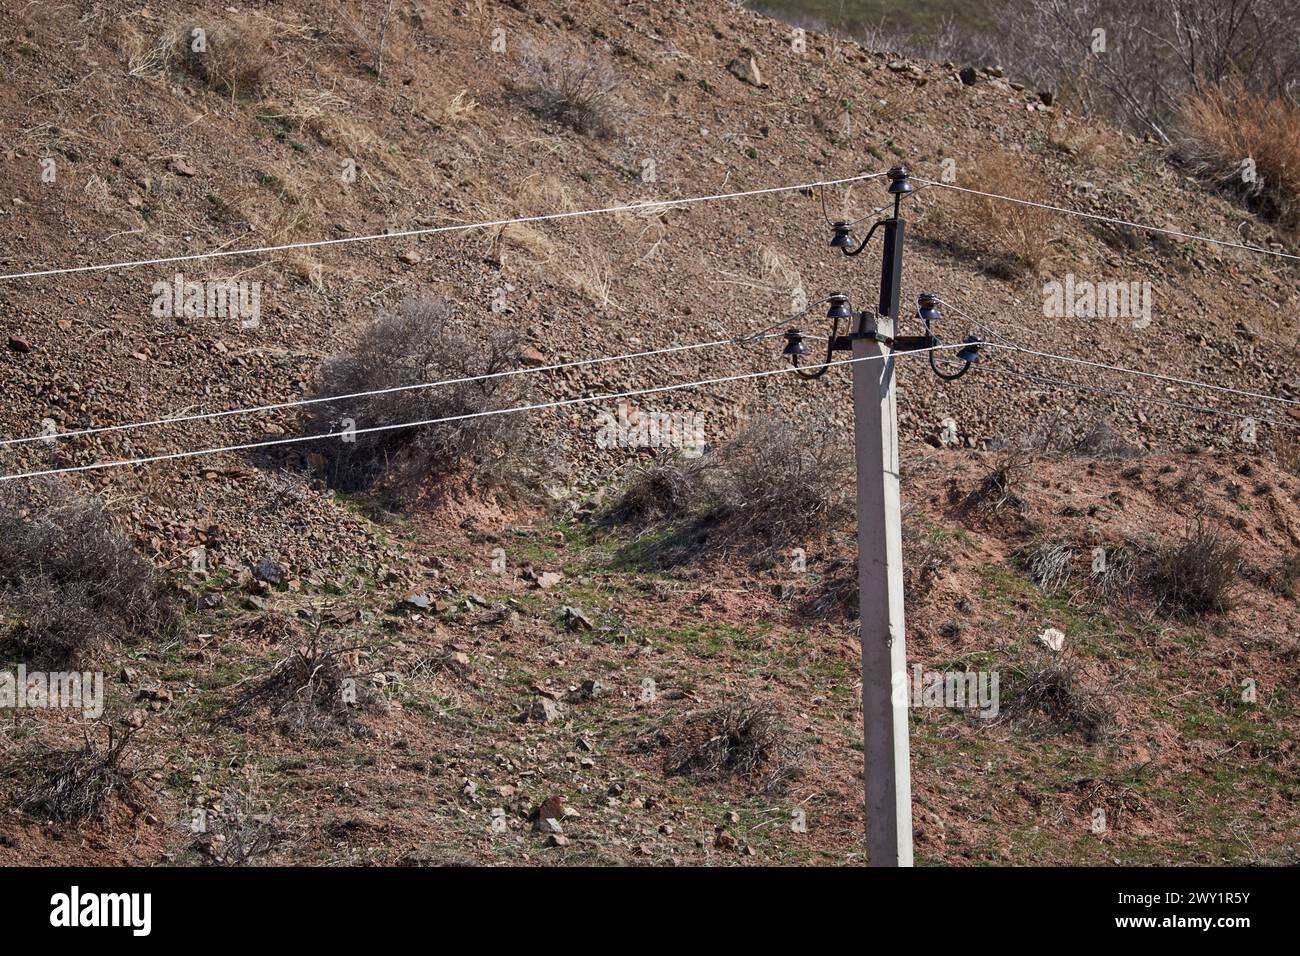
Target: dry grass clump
<point>1197,575</point>
<point>1050,694</point>
<point>566,83</point>
<point>229,56</point>
<point>745,739</point>
<point>71,579</point>
<point>417,342</point>
<point>70,785</point>
<point>1111,582</point>
<point>1014,238</point>
<point>1048,563</point>
<point>1246,143</point>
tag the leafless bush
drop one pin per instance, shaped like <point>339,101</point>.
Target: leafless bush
<point>72,579</point>
<point>418,342</point>
<point>234,832</point>
<point>1101,440</point>
<point>1152,52</point>
<point>1197,575</point>
<point>999,488</point>
<point>70,785</point>
<point>570,85</point>
<point>772,484</point>
<point>666,489</point>
<point>1049,693</point>
<point>311,692</point>
<point>744,738</point>
<point>230,56</point>
<point>778,482</point>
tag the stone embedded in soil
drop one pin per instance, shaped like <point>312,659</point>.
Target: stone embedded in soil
<point>548,579</point>
<point>574,619</point>
<point>416,602</point>
<point>550,808</point>
<point>268,571</point>
<point>531,357</point>
<point>746,70</point>
<point>541,711</point>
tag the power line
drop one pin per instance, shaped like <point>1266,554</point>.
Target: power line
<point>1203,409</point>
<point>1075,360</point>
<point>1109,219</point>
<point>546,217</point>
<point>561,403</point>
<point>379,391</point>
<point>1163,378</point>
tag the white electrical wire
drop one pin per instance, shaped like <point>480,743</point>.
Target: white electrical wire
<point>546,217</point>
<point>379,391</point>
<point>1016,347</point>
<point>561,403</point>
<point>1118,222</point>
<point>1132,397</point>
<point>1163,378</point>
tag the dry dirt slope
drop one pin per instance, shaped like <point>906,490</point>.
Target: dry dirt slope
<point>150,161</point>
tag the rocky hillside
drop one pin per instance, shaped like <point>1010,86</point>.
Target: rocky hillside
<point>491,689</point>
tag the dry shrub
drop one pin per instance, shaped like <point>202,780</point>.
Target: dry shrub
<point>1228,130</point>
<point>999,488</point>
<point>666,489</point>
<point>771,485</point>
<point>70,785</point>
<point>312,692</point>
<point>234,832</point>
<point>72,579</point>
<point>1049,693</point>
<point>778,482</point>
<point>744,738</point>
<point>1197,575</point>
<point>1014,237</point>
<point>419,342</point>
<point>236,56</point>
<point>571,85</point>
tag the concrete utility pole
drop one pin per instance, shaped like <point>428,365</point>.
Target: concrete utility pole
<point>874,340</point>
<point>886,755</point>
